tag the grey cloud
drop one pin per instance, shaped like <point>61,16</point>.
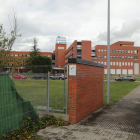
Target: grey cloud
<point>74,19</point>
<point>126,33</point>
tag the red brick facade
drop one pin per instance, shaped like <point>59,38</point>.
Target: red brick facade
<point>86,50</point>
<point>60,54</point>
<point>85,91</point>
<point>124,58</point>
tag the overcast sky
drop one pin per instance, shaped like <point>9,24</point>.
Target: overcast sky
<point>73,19</point>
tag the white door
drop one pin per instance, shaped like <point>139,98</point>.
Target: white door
<point>105,71</point>
<point>136,68</point>
<point>130,71</point>
<point>112,71</point>
<point>118,71</point>
<point>124,71</point>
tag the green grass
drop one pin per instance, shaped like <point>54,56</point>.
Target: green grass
<point>118,90</point>
<point>35,91</point>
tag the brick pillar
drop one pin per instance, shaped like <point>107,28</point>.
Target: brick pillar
<point>85,88</point>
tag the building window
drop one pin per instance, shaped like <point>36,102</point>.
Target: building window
<point>122,63</point>
<point>131,57</point>
<point>119,51</point>
<point>131,51</point>
<point>135,57</point>
<point>105,50</point>
<point>125,57</point>
<point>99,62</point>
<point>113,51</point>
<point>105,57</point>
<point>128,51</point>
<point>116,51</point>
<point>102,56</point>
<point>119,57</point>
<point>110,57</point>
<point>125,51</point>
<point>102,50</point>
<point>104,63</point>
<point>114,63</point>
<point>110,51</point>
<point>117,63</point>
<point>135,51</point>
<point>79,47</point>
<point>125,63</point>
<point>128,63</point>
<point>131,63</point>
<point>122,57</point>
<point>113,57</point>
<point>78,53</point>
<point>116,57</point>
<point>110,63</point>
<point>98,50</point>
<point>99,56</point>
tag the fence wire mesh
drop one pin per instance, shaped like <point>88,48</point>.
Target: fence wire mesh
<point>25,94</point>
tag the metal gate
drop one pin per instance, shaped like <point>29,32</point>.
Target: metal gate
<point>57,90</point>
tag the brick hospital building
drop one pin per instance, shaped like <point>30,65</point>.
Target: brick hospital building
<point>124,56</point>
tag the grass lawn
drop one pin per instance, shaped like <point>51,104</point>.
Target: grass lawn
<point>118,90</point>
<point>35,91</point>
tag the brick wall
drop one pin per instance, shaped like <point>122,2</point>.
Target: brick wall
<point>85,91</point>
<point>86,50</point>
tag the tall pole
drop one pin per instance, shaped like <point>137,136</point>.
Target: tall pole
<point>48,92</point>
<point>108,55</point>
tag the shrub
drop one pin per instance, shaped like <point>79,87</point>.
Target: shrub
<point>29,127</point>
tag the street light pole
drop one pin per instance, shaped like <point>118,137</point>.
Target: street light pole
<point>108,54</point>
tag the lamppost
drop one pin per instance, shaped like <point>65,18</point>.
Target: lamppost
<point>108,54</point>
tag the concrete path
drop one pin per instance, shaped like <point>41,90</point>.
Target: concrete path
<point>119,122</point>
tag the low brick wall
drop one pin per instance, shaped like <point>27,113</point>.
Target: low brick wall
<point>85,89</point>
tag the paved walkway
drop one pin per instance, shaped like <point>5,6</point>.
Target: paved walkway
<point>119,122</point>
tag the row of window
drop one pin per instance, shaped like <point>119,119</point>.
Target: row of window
<point>17,55</point>
<point>118,63</point>
<point>118,57</point>
<point>11,65</point>
<point>118,51</point>
<point>25,55</point>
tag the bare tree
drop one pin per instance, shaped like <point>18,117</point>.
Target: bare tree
<point>7,40</point>
<point>14,32</point>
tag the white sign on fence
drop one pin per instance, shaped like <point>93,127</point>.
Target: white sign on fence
<point>72,69</point>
